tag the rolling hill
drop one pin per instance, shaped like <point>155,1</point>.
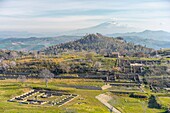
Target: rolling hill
<point>148,38</point>
<point>147,34</point>
<point>33,43</point>
<point>97,43</point>
<point>151,43</point>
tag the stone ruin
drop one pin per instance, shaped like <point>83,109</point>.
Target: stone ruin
<point>41,97</point>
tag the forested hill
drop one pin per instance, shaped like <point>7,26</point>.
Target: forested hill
<point>98,43</point>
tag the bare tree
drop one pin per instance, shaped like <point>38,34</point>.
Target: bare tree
<point>90,56</point>
<point>46,75</point>
<point>13,54</point>
<point>97,65</point>
<point>13,64</point>
<point>65,67</point>
<point>4,67</point>
<point>22,79</point>
<point>1,59</point>
<point>35,54</point>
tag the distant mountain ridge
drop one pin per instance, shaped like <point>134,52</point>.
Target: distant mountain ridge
<point>147,34</point>
<point>97,43</point>
<point>104,28</point>
<point>15,34</point>
<point>19,40</point>
<point>156,44</point>
<point>33,43</point>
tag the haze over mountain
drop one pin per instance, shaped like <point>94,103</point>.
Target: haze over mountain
<point>21,41</point>
<point>152,39</point>
<point>104,28</point>
<point>147,34</point>
<point>151,43</point>
<point>33,43</point>
<point>23,34</point>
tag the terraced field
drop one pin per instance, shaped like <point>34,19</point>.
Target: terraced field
<point>84,103</point>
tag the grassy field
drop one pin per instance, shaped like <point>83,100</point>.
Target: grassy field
<point>132,105</point>
<point>127,104</point>
<point>164,101</point>
<point>84,103</point>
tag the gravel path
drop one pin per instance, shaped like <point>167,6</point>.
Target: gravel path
<point>104,99</point>
<point>106,87</point>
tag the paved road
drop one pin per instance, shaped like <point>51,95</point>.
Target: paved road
<point>104,99</point>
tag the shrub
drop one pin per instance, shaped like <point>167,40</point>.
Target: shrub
<point>139,95</point>
<point>153,102</point>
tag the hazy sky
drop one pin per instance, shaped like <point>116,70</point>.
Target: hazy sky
<point>62,15</point>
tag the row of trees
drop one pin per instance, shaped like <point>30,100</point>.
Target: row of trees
<point>34,66</point>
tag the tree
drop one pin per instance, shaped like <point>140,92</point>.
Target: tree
<point>13,64</point>
<point>90,56</point>
<point>1,59</point>
<point>35,54</point>
<point>65,67</point>
<point>153,102</point>
<point>22,78</point>
<point>46,75</point>
<point>97,65</point>
<point>4,67</point>
<point>13,54</point>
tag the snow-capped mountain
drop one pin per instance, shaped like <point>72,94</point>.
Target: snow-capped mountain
<point>104,28</point>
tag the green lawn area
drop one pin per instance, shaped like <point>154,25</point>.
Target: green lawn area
<point>132,105</point>
<point>84,103</point>
<point>165,101</point>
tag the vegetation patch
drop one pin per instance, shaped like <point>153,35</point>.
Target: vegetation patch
<point>153,102</point>
<point>139,95</point>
